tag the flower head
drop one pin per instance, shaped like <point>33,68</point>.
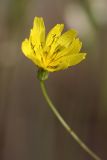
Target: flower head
<point>55,51</point>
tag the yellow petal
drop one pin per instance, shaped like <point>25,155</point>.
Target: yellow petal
<point>71,60</point>
<point>74,48</point>
<point>37,36</point>
<point>54,34</point>
<point>66,39</point>
<point>52,38</point>
<point>30,53</point>
<point>26,48</point>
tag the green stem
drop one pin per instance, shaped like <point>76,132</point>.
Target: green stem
<point>65,125</point>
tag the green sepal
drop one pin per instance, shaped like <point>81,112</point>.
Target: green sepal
<point>42,74</point>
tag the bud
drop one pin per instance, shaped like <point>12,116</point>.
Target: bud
<point>42,74</point>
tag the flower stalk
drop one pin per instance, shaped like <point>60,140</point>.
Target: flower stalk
<point>65,125</point>
<point>54,52</point>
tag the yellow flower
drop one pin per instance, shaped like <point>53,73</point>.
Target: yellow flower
<point>54,52</point>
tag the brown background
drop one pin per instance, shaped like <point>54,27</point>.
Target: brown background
<point>28,129</point>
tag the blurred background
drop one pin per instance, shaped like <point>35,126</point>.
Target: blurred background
<point>28,129</point>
